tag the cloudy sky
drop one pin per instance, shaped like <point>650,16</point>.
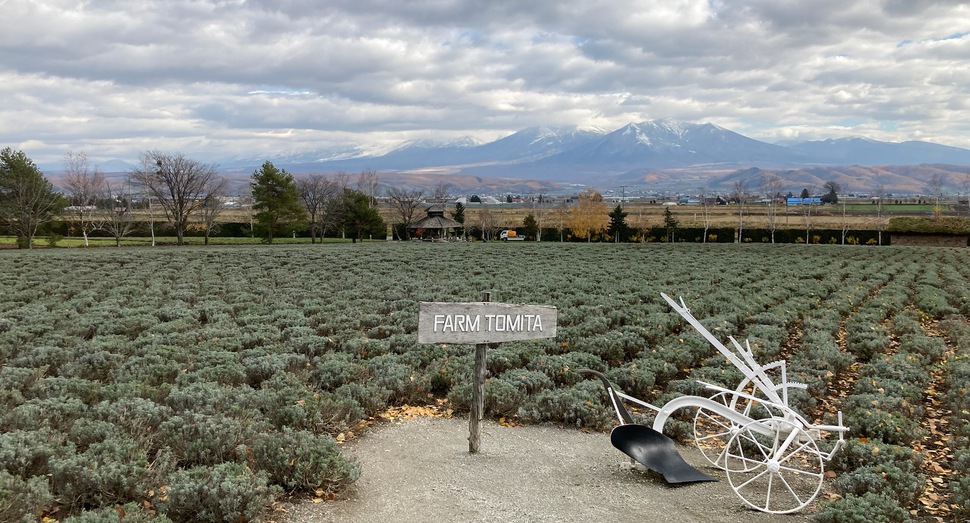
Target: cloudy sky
<point>223,78</point>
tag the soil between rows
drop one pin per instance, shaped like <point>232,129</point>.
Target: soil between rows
<point>420,470</point>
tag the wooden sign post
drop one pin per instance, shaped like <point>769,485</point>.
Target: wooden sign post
<point>482,323</point>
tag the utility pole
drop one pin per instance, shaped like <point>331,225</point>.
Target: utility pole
<point>623,194</point>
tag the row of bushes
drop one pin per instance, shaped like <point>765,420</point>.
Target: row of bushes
<point>681,234</point>
<point>880,475</point>
<point>956,401</point>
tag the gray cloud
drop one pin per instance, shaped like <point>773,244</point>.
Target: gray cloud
<point>241,77</point>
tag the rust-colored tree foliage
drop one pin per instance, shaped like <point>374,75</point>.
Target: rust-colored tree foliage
<point>589,215</point>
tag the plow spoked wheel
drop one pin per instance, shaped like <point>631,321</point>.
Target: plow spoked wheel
<point>774,466</point>
<point>712,431</point>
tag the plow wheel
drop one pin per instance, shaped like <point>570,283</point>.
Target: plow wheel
<point>712,431</point>
<point>774,466</point>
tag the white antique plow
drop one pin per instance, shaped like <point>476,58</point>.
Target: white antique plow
<point>769,452</point>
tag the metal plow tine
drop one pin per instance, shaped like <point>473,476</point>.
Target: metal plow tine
<point>656,452</point>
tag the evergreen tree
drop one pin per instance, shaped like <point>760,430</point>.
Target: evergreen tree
<point>618,227</point>
<point>670,224</point>
<point>359,219</point>
<point>27,198</point>
<point>530,227</point>
<point>279,210</point>
<point>459,216</point>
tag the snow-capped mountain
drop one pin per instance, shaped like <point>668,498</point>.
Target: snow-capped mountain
<point>535,143</point>
<point>591,155</point>
<point>669,143</point>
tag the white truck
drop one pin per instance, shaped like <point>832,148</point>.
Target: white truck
<point>510,235</point>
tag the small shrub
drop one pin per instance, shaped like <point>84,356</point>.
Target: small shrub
<point>297,460</point>
<point>332,370</point>
<point>56,413</point>
<point>404,384</point>
<point>23,500</point>
<point>885,480</point>
<point>139,416</point>
<point>127,513</point>
<point>857,454</point>
<point>202,439</point>
<point>368,398</point>
<point>576,407</point>
<point>961,486</point>
<point>867,508</point>
<point>26,453</point>
<point>636,378</point>
<point>216,494</point>
<point>528,381</point>
<point>502,398</point>
<point>881,417</point>
<point>111,471</point>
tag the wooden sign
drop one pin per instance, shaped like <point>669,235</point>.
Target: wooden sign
<point>484,322</point>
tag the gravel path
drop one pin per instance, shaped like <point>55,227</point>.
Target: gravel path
<point>420,470</point>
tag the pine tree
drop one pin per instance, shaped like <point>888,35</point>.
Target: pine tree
<point>276,201</point>
<point>618,227</point>
<point>27,198</point>
<point>530,226</point>
<point>459,216</point>
<point>670,223</point>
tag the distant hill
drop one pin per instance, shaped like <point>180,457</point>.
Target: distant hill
<point>898,179</point>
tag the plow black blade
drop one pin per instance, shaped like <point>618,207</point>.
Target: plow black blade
<point>656,452</point>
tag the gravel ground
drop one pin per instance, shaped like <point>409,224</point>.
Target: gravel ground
<point>420,470</point>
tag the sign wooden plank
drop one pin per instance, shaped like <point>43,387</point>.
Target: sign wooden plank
<point>484,322</point>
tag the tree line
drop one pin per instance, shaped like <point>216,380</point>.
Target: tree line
<point>182,192</point>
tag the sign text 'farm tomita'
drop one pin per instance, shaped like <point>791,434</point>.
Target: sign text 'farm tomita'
<point>484,322</point>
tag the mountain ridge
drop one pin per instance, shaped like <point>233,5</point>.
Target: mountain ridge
<point>678,153</point>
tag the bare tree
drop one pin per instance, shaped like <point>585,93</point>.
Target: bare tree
<point>965,189</point>
<point>405,203</point>
<point>539,212</point>
<point>213,205</point>
<point>440,192</point>
<point>177,183</point>
<point>846,220</point>
<point>116,210</point>
<point>85,189</point>
<point>368,182</point>
<point>740,194</point>
<point>561,214</point>
<point>771,187</point>
<point>935,187</point>
<point>487,221</point>
<point>641,223</point>
<point>317,191</point>
<point>705,212</point>
<point>882,221</point>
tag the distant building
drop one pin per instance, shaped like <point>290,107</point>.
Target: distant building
<point>804,201</point>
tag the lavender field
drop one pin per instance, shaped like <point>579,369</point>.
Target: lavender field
<point>188,384</point>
